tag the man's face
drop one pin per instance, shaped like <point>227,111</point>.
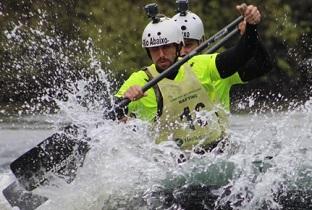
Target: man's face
<point>189,45</point>
<point>163,56</point>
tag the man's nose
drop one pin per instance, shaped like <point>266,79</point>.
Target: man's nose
<point>161,52</point>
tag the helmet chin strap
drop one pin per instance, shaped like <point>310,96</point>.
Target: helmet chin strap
<point>178,47</point>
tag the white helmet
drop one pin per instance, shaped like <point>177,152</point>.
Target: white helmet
<point>191,25</point>
<point>162,32</point>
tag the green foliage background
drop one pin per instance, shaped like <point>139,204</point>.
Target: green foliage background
<point>114,30</point>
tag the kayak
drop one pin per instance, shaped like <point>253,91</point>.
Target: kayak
<point>197,197</point>
<point>205,191</point>
<point>187,197</point>
<point>202,187</point>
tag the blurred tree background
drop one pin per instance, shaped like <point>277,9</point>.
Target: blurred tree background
<point>47,44</point>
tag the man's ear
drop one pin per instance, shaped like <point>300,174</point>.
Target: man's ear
<point>148,53</point>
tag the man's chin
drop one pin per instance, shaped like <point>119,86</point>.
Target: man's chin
<point>160,69</point>
<point>163,67</point>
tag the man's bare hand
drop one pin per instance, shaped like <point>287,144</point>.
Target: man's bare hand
<point>134,93</point>
<point>250,12</point>
<point>251,15</point>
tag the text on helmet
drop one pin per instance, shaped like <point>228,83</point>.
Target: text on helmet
<point>153,41</point>
<point>186,34</point>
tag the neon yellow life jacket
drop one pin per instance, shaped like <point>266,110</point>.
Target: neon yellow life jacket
<point>203,69</point>
<point>188,117</point>
<point>223,87</point>
<point>203,66</point>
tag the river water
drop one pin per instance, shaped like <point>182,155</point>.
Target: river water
<point>124,168</point>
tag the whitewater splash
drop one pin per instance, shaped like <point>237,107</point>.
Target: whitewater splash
<point>275,154</point>
<point>267,153</point>
<point>125,169</point>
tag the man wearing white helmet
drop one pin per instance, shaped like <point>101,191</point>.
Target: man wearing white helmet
<point>192,29</point>
<point>181,105</point>
<point>193,32</point>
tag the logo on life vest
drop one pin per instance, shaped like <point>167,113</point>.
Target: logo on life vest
<point>153,41</point>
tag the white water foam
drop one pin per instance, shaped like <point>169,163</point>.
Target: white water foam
<point>124,167</point>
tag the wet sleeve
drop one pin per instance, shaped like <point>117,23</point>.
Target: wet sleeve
<point>237,57</point>
<point>260,64</point>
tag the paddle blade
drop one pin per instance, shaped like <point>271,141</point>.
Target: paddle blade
<point>19,197</point>
<point>60,155</point>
